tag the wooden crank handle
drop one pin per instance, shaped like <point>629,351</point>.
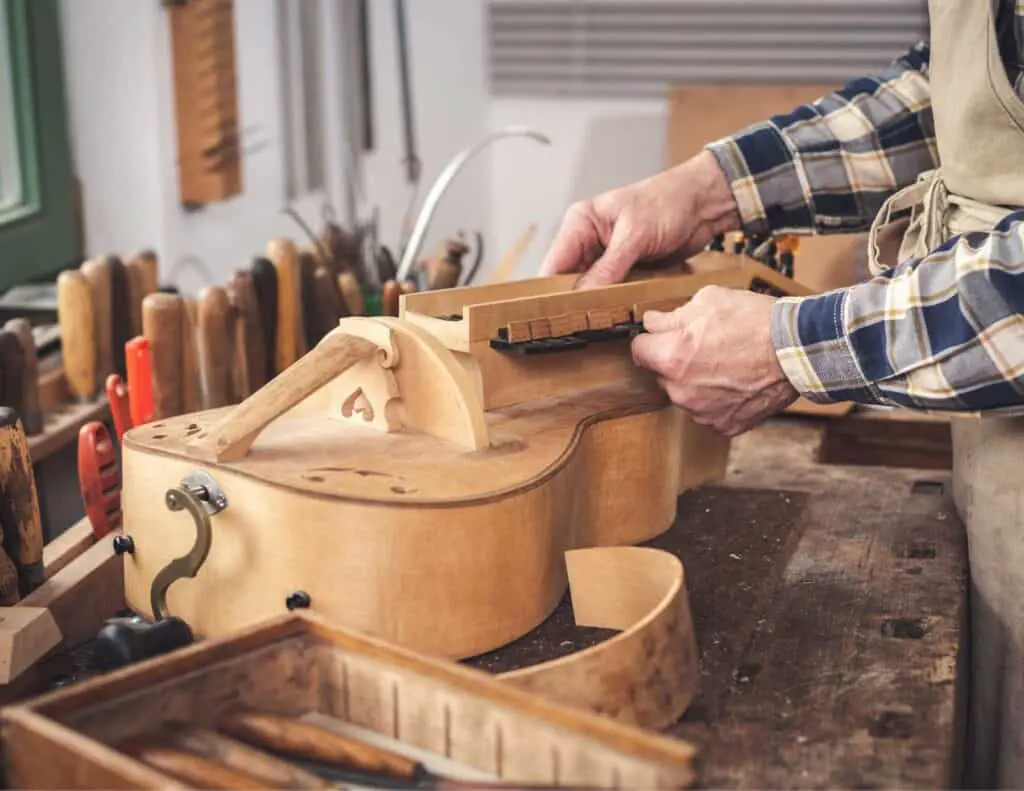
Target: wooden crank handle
<point>231,438</point>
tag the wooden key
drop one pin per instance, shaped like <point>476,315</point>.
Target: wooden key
<point>191,388</point>
<point>264,281</point>
<point>288,346</point>
<point>242,293</point>
<point>30,410</point>
<point>19,503</point>
<point>77,331</point>
<point>97,272</point>
<point>163,317</point>
<point>352,293</point>
<point>120,311</point>
<point>215,346</point>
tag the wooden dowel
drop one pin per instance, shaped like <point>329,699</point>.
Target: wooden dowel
<point>77,331</point>
<point>163,316</point>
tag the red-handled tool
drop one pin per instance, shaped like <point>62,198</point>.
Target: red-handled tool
<point>99,478</point>
<point>117,395</point>
<point>139,364</point>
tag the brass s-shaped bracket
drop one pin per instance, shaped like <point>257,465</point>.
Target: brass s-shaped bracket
<point>185,498</point>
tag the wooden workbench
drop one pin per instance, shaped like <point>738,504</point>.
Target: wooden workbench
<point>829,605</point>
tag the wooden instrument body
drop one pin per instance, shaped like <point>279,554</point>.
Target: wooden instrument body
<point>427,495</point>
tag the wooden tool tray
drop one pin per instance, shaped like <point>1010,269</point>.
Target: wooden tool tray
<point>298,666</point>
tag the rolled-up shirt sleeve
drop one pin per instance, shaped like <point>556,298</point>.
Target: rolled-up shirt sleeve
<point>828,166</point>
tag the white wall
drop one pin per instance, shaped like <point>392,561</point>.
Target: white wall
<point>117,59</point>
<point>596,146</point>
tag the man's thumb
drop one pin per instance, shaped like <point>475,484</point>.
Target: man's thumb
<point>659,321</point>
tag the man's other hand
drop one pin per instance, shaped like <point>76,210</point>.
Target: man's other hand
<point>675,212</point>
<point>715,359</point>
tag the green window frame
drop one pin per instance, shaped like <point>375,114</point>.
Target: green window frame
<point>38,231</point>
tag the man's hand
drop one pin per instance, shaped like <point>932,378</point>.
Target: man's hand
<point>677,211</point>
<point>715,359</point>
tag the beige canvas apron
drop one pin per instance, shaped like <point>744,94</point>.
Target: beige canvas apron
<point>979,125</point>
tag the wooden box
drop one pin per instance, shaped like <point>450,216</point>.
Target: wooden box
<point>299,666</point>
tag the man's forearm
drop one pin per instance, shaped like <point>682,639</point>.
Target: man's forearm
<point>828,166</point>
<point>945,332</point>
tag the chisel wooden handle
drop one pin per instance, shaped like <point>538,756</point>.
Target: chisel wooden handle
<point>191,387</point>
<point>19,503</point>
<point>120,311</point>
<point>147,264</point>
<point>328,304</point>
<point>264,281</point>
<point>12,371</point>
<point>97,272</point>
<point>285,258</point>
<point>352,293</point>
<point>312,331</point>
<point>8,580</point>
<point>77,330</point>
<point>275,772</point>
<point>215,346</point>
<point>163,317</point>
<point>187,767</point>
<point>30,410</point>
<point>138,276</point>
<point>389,295</point>
<point>244,301</point>
<point>311,742</point>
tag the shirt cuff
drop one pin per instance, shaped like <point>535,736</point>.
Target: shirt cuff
<point>764,177</point>
<point>812,348</point>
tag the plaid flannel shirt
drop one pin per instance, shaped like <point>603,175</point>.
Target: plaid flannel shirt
<point>944,332</point>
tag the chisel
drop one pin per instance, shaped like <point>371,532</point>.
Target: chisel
<point>31,413</point>
<point>312,331</point>
<point>120,311</point>
<point>162,324</point>
<point>19,503</point>
<point>191,389</point>
<point>77,330</point>
<point>214,342</point>
<point>241,387</point>
<point>148,267</point>
<point>288,346</point>
<point>328,305</point>
<point>12,371</point>
<point>264,281</point>
<point>352,293</point>
<point>194,771</point>
<point>244,301</point>
<point>97,272</point>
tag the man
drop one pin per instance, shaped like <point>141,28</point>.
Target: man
<point>930,157</point>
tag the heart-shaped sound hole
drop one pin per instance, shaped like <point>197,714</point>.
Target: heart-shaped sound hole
<point>357,404</point>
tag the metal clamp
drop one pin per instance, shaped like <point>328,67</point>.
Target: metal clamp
<point>202,497</point>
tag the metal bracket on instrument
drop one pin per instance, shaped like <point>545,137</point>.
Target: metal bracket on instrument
<point>202,497</point>
<point>575,340</point>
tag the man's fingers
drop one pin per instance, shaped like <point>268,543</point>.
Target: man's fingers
<point>618,258</point>
<point>575,244</point>
<point>659,321</point>
<point>655,353</point>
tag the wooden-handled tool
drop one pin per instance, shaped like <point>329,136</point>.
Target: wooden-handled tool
<point>250,346</point>
<point>191,769</point>
<point>191,386</point>
<point>19,503</point>
<point>148,267</point>
<point>142,281</point>
<point>328,307</point>
<point>264,281</point>
<point>290,343</point>
<point>274,772</point>
<point>120,311</point>
<point>125,641</point>
<point>97,272</point>
<point>163,316</point>
<point>445,268</point>
<point>352,293</point>
<point>12,371</point>
<point>339,757</point>
<point>389,296</point>
<point>215,347</point>
<point>312,331</point>
<point>77,332</point>
<point>29,405</point>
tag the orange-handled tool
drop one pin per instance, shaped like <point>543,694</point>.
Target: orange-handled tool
<point>139,365</point>
<point>99,478</point>
<point>117,395</point>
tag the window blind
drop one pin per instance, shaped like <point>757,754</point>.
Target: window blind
<point>638,48</point>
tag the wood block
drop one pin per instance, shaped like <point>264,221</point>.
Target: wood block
<point>27,634</point>
<point>568,323</point>
<point>888,439</point>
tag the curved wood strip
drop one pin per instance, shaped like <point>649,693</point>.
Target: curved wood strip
<point>647,675</point>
